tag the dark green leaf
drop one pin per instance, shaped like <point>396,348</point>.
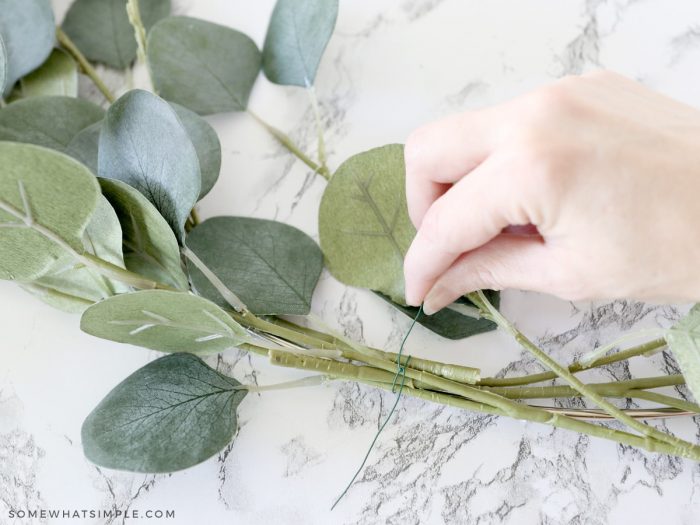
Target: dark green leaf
<point>272,267</point>
<point>363,222</point>
<point>206,143</point>
<point>205,67</point>
<point>28,31</point>
<point>149,245</point>
<point>296,39</point>
<point>449,322</point>
<point>52,122</point>
<point>171,414</point>
<point>101,28</point>
<point>164,321</point>
<point>60,197</point>
<point>57,76</point>
<point>144,144</point>
<point>684,341</point>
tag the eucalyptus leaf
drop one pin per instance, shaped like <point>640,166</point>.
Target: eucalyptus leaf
<point>52,122</point>
<point>206,144</point>
<point>165,321</point>
<point>57,76</point>
<point>80,285</point>
<point>364,226</point>
<point>45,197</point>
<point>272,267</point>
<point>171,414</point>
<point>684,341</point>
<point>85,145</point>
<point>450,322</point>
<point>149,245</point>
<point>101,28</point>
<point>296,39</point>
<point>28,31</point>
<point>203,66</point>
<point>143,143</point>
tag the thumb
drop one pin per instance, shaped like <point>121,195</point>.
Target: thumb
<point>507,261</point>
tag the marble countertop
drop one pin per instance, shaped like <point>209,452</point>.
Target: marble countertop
<point>391,65</point>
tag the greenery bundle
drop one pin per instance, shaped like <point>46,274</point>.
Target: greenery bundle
<point>97,217</point>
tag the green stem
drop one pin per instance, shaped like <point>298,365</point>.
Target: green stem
<point>133,11</point>
<point>613,389</point>
<point>646,430</point>
<point>324,171</point>
<point>87,68</point>
<point>230,297</point>
<point>287,143</point>
<point>663,399</point>
<point>623,355</point>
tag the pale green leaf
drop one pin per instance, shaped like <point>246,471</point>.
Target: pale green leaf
<point>60,197</point>
<point>57,76</point>
<point>272,267</point>
<point>52,122</point>
<point>684,341</point>
<point>164,321</point>
<point>143,143</point>
<point>364,226</point>
<point>80,285</point>
<point>101,28</point>
<point>206,143</point>
<point>149,245</point>
<point>169,415</point>
<point>296,39</point>
<point>28,31</point>
<point>205,67</point>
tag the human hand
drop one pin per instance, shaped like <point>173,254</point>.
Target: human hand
<point>602,173</point>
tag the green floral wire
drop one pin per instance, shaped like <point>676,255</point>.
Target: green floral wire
<point>400,371</point>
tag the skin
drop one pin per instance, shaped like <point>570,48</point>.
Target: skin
<point>586,188</point>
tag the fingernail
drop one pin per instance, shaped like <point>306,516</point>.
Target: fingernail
<point>435,300</point>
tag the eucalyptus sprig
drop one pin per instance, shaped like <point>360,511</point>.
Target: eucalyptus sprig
<point>97,216</point>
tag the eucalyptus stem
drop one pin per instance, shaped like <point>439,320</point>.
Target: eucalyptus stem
<point>623,355</point>
<point>230,297</point>
<point>133,11</point>
<point>324,171</point>
<point>289,144</point>
<point>646,430</point>
<point>87,68</point>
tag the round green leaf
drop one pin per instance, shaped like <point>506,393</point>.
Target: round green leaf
<point>164,321</point>
<point>684,341</point>
<point>85,145</point>
<point>296,39</point>
<point>171,414</point>
<point>205,67</point>
<point>364,226</point>
<point>43,194</point>
<point>143,143</point>
<point>57,76</point>
<point>101,28</point>
<point>28,30</point>
<point>206,143</point>
<point>149,245</point>
<point>78,284</point>
<point>272,267</point>
<point>52,122</point>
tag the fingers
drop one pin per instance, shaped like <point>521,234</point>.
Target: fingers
<point>441,153</point>
<point>471,213</point>
<point>508,261</point>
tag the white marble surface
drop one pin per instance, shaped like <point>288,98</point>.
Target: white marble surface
<point>391,65</point>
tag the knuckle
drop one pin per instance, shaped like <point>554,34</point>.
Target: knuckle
<point>486,274</point>
<point>415,144</point>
